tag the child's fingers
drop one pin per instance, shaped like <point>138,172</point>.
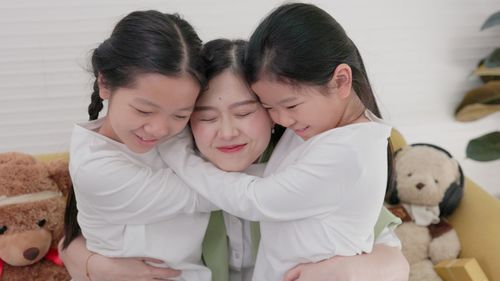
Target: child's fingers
<point>152,260</point>
<point>165,273</point>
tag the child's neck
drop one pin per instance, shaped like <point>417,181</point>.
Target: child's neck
<point>354,112</point>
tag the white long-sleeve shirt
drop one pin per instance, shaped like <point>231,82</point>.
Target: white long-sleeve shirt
<point>133,205</point>
<point>323,198</point>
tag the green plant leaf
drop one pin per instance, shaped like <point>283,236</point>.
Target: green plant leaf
<point>484,148</point>
<point>493,59</point>
<point>491,21</point>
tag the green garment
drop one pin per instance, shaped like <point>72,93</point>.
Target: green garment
<point>216,244</point>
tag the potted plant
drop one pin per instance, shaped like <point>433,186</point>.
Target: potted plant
<point>483,101</point>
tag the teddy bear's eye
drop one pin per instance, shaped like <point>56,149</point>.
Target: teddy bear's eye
<point>409,174</point>
<point>41,222</point>
<point>436,181</point>
<point>3,229</point>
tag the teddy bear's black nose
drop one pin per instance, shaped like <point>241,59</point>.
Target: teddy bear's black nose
<point>420,185</point>
<point>31,253</point>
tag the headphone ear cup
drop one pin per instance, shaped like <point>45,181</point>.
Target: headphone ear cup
<point>393,196</point>
<point>453,195</point>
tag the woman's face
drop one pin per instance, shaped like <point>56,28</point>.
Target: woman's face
<point>230,127</point>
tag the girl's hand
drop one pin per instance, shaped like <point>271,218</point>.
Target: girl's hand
<point>326,270</point>
<point>102,268</point>
<point>383,263</point>
<point>107,269</point>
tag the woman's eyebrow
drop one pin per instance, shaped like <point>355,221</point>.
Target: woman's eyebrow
<point>204,107</point>
<point>240,103</point>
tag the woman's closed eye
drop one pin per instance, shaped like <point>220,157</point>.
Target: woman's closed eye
<point>243,114</point>
<point>207,118</point>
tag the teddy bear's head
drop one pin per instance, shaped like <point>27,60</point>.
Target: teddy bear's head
<point>32,202</point>
<point>427,175</point>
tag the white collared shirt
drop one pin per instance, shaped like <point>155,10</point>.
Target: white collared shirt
<point>132,205</point>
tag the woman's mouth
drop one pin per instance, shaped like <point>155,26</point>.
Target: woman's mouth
<point>231,148</point>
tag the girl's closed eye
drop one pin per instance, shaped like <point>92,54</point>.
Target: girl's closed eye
<point>142,111</point>
<point>181,117</point>
<point>293,106</point>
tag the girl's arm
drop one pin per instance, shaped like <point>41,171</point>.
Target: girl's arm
<point>116,189</point>
<point>325,175</point>
<point>102,268</point>
<point>383,263</point>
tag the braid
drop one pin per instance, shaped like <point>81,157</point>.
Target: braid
<point>96,103</point>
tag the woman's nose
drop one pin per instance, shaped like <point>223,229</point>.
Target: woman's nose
<point>228,129</point>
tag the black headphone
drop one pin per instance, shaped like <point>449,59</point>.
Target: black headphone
<point>453,194</point>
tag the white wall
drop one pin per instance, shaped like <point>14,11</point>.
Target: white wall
<point>419,55</point>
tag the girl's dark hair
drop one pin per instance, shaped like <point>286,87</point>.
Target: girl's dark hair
<point>142,42</point>
<point>302,44</point>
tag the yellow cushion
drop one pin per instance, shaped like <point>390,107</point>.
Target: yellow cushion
<point>397,140</point>
<point>52,156</point>
<point>477,222</point>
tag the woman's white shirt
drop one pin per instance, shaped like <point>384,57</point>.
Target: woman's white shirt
<point>133,205</point>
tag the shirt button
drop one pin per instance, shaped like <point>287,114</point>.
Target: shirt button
<point>236,255</point>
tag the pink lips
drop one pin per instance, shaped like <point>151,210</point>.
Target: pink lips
<point>147,142</point>
<point>231,148</point>
<point>301,132</point>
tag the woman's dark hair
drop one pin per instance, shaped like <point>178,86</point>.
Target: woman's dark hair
<point>302,44</point>
<point>222,54</point>
<point>142,42</point>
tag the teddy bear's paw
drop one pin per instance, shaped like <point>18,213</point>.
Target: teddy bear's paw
<point>446,246</point>
<point>415,240</point>
<point>423,271</point>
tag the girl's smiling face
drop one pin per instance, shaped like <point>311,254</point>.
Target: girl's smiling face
<point>230,127</point>
<point>155,108</point>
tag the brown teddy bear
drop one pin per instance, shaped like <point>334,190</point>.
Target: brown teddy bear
<point>429,186</point>
<point>32,202</point>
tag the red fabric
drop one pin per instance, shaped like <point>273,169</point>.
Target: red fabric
<point>53,256</point>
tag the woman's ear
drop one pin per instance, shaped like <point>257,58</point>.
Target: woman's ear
<point>341,80</point>
<point>104,91</point>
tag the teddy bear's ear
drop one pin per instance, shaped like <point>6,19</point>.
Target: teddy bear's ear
<point>400,152</point>
<point>59,172</point>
